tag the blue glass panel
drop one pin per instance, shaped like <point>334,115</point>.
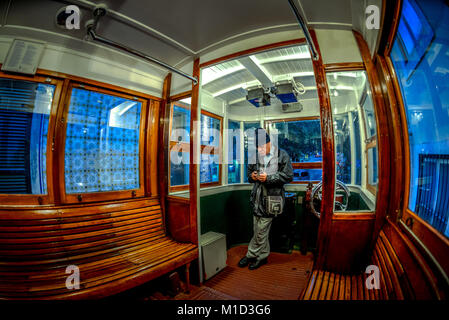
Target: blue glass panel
<point>179,168</point>
<point>233,152</point>
<point>209,168</point>
<point>24,117</point>
<point>425,92</point>
<point>102,143</point>
<point>180,130</point>
<point>248,145</point>
<point>307,175</point>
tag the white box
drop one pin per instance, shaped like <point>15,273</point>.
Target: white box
<point>213,246</point>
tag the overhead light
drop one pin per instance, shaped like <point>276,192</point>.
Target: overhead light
<point>287,91</point>
<point>258,97</point>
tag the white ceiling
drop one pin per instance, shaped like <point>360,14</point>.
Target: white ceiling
<point>174,30</point>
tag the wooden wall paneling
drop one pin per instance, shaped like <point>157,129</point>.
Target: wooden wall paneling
<point>327,141</point>
<point>420,276</point>
<point>349,241</point>
<point>162,144</point>
<point>153,148</point>
<point>178,218</point>
<point>193,187</point>
<point>383,138</point>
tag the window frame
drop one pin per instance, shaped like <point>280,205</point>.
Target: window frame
<point>49,197</point>
<point>102,195</point>
<point>299,165</point>
<point>186,146</point>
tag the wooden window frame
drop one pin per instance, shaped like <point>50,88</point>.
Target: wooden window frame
<point>186,145</point>
<point>299,165</point>
<point>103,195</point>
<point>48,198</point>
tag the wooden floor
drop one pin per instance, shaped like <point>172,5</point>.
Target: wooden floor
<point>283,278</point>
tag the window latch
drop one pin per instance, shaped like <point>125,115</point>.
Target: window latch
<point>80,198</point>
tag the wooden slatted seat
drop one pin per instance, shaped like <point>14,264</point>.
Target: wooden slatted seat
<point>325,285</point>
<point>116,246</point>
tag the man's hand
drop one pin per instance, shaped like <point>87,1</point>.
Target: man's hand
<point>254,175</point>
<point>262,177</point>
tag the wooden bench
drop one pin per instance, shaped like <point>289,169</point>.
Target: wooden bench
<point>394,285</point>
<point>116,246</point>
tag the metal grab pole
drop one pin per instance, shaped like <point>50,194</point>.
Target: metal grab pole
<point>304,28</point>
<point>114,44</point>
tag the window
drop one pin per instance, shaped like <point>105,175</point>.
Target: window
<point>179,145</point>
<point>211,145</point>
<point>248,145</point>
<point>301,139</point>
<point>419,56</point>
<point>210,167</point>
<point>25,108</point>
<point>103,144</point>
<point>355,129</point>
<point>234,152</point>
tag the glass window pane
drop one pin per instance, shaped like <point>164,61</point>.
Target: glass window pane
<point>180,130</point>
<point>368,111</point>
<point>300,139</point>
<point>179,168</point>
<point>423,78</point>
<point>209,168</point>
<point>307,175</point>
<point>210,131</point>
<point>233,152</point>
<point>351,101</point>
<point>248,144</point>
<point>24,116</point>
<point>372,166</point>
<point>102,143</point>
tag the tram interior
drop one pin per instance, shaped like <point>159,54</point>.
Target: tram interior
<point>133,176</point>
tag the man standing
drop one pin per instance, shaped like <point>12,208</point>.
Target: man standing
<point>269,170</point>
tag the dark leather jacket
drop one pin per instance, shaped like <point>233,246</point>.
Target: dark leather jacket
<point>279,172</point>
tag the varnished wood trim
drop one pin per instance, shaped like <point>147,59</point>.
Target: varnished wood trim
<point>254,50</point>
<point>193,185</point>
<point>327,142</point>
<point>100,84</point>
<point>178,188</point>
<point>175,198</point>
<point>180,96</point>
<point>307,165</point>
<point>162,169</point>
<point>344,66</point>
<point>394,27</point>
<point>354,216</point>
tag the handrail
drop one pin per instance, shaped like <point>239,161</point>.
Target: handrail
<point>304,28</point>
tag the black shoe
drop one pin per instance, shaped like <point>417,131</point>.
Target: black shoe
<point>257,264</point>
<point>245,261</point>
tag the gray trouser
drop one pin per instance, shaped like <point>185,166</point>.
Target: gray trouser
<point>259,246</point>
